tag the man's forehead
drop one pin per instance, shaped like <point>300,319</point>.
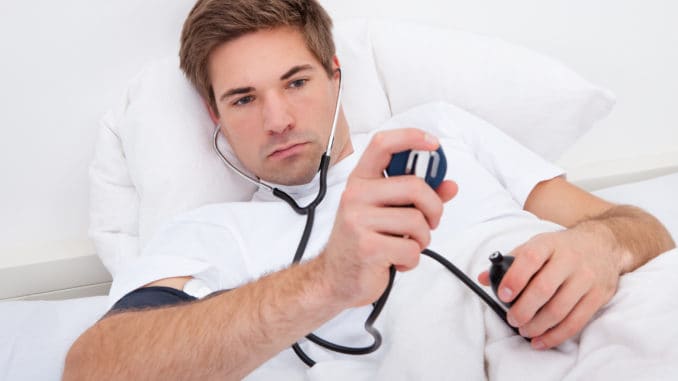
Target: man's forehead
<point>265,53</point>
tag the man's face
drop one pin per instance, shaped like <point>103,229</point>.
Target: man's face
<point>276,104</point>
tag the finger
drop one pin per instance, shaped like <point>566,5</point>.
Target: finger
<point>447,190</point>
<point>484,278</point>
<point>386,143</point>
<point>399,222</point>
<point>401,252</point>
<point>529,258</point>
<point>571,325</point>
<point>556,310</point>
<point>539,290</point>
<point>397,191</point>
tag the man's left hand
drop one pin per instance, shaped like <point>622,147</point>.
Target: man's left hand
<point>562,279</point>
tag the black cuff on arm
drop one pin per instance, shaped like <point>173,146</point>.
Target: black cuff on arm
<point>156,296</point>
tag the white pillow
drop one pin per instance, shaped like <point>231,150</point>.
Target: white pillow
<point>535,99</point>
<point>154,157</point>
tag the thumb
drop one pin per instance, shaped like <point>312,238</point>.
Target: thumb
<point>385,143</point>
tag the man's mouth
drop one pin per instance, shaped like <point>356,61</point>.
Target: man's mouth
<point>287,151</point>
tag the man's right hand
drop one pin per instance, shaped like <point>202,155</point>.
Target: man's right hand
<point>382,221</point>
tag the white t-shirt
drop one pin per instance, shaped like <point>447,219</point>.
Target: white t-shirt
<point>226,245</point>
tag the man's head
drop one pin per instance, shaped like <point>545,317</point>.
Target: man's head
<point>214,22</point>
<point>267,70</point>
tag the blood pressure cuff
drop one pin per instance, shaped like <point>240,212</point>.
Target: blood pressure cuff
<point>149,297</point>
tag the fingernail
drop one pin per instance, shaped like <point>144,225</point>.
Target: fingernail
<point>431,139</point>
<point>538,344</point>
<point>511,321</point>
<point>505,294</point>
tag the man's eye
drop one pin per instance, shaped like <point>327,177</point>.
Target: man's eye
<point>243,101</point>
<point>298,83</point>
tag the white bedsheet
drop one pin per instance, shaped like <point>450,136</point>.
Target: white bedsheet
<point>35,336</point>
<point>634,337</point>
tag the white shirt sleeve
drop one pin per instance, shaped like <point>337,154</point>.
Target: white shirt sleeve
<point>204,251</point>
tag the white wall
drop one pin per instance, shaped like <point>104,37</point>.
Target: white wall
<point>627,46</point>
<point>63,64</point>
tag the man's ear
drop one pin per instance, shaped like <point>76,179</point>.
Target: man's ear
<point>335,66</point>
<point>213,115</point>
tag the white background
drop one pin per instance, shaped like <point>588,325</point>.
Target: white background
<point>630,47</point>
<point>63,63</point>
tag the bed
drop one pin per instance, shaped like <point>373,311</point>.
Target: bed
<point>128,173</point>
<point>36,335</point>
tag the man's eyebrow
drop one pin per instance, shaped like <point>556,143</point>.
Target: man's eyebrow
<point>236,91</point>
<point>295,70</point>
<point>244,90</point>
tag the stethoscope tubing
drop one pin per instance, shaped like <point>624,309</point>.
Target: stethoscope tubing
<point>309,212</point>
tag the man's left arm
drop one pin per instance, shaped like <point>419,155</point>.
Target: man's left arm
<point>563,278</point>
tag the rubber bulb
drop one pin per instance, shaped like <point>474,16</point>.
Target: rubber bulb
<point>500,265</point>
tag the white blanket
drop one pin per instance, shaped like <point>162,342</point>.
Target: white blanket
<point>435,337</point>
<point>434,328</point>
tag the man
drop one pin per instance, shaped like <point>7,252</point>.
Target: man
<point>269,76</point>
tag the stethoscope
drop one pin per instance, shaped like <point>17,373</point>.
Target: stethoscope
<point>309,211</point>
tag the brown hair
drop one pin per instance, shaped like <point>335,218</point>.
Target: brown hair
<point>214,22</point>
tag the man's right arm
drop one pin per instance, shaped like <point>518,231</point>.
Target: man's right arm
<point>224,336</point>
<point>228,335</point>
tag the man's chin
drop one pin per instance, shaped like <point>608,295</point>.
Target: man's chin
<point>289,178</point>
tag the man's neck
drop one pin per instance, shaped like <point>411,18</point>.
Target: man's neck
<point>342,142</point>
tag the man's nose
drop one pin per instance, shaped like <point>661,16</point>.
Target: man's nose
<point>276,114</point>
